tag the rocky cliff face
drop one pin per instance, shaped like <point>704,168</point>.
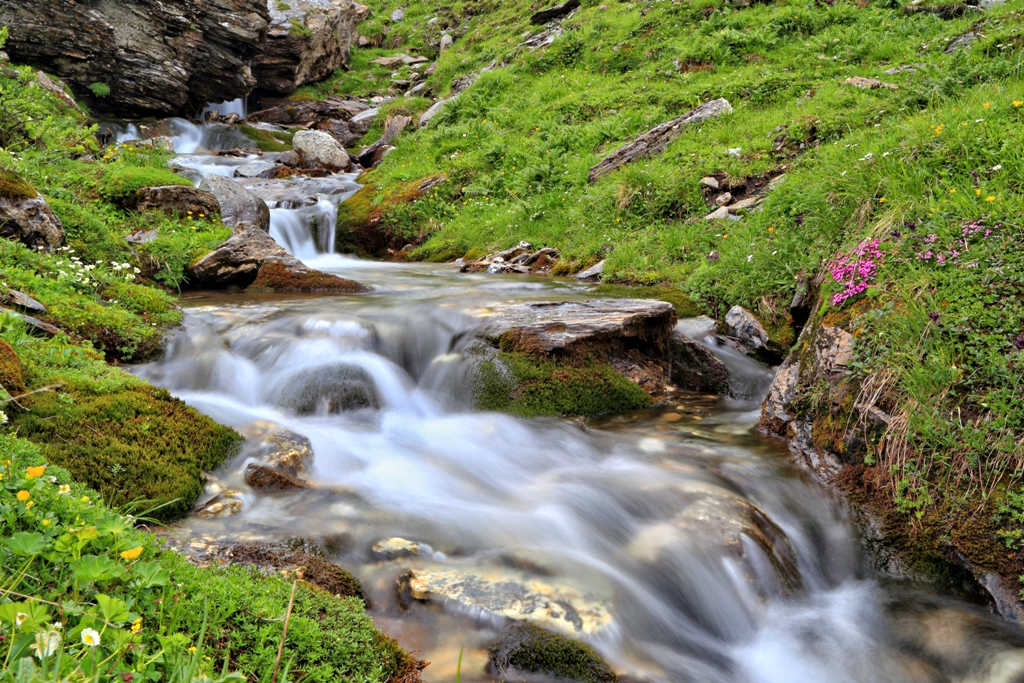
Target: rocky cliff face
<point>157,57</point>
<point>308,40</point>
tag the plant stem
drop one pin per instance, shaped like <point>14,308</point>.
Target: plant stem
<point>284,633</point>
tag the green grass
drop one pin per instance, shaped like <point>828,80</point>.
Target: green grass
<point>74,561</point>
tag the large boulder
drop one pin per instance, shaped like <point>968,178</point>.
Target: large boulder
<point>238,206</point>
<point>26,217</point>
<point>696,368</point>
<point>177,200</point>
<point>250,258</point>
<point>308,40</point>
<point>320,150</point>
<point>156,57</point>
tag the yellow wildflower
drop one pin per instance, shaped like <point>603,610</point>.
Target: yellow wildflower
<point>990,198</point>
<point>952,191</point>
<point>33,472</point>
<point>133,554</point>
<point>24,495</point>
<point>64,489</point>
<point>137,625</point>
<point>46,522</point>
<point>977,193</point>
<point>987,105</point>
<point>1017,103</point>
<point>29,504</point>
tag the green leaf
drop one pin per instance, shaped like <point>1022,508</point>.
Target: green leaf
<point>97,568</point>
<point>150,574</point>
<point>26,544</point>
<point>33,614</point>
<point>112,524</point>
<point>112,609</point>
<point>26,670</point>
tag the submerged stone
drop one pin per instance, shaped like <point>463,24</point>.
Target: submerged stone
<point>527,648</point>
<point>511,594</point>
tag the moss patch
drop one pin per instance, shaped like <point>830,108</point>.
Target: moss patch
<point>121,183</point>
<point>136,443</point>
<point>12,375</point>
<point>524,647</point>
<point>13,187</point>
<point>680,300</point>
<point>521,384</point>
<point>268,141</point>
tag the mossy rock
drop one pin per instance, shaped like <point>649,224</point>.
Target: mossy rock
<point>474,254</point>
<point>527,648</point>
<point>268,141</point>
<point>315,571</point>
<point>521,384</point>
<point>12,374</point>
<point>680,300</point>
<point>121,184</point>
<point>130,445</point>
<point>12,186</point>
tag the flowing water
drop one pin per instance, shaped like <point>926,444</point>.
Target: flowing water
<point>675,540</point>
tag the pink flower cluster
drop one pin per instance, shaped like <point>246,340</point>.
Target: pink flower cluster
<point>857,270</point>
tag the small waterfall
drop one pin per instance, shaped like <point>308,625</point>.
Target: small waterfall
<point>748,379</point>
<point>238,106</point>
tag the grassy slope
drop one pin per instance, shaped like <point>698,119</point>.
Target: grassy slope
<point>911,166</point>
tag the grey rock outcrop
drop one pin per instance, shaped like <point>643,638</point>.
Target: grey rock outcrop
<point>320,150</point>
<point>560,325</point>
<point>238,206</point>
<point>158,57</point>
<point>746,328</point>
<point>556,12</point>
<point>31,222</point>
<point>695,368</point>
<point>306,42</point>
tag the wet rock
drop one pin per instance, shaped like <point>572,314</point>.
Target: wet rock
<point>26,217</point>
<point>159,57</point>
<point>526,648</point>
<point>223,505</point>
<point>177,200</point>
<point>262,477</point>
<point>307,41</point>
<point>238,260</point>
<point>746,329</point>
<point>13,297</point>
<point>290,158</point>
<point>288,452</point>
<point>258,169</point>
<point>550,326</point>
<point>395,548</point>
<point>591,273</point>
<point>334,388</point>
<point>307,566</point>
<point>320,150</point>
<point>869,83</point>
<point>510,594</point>
<point>304,113</point>
<point>556,12</point>
<point>658,138</point>
<point>695,368</point>
<point>291,275</point>
<point>238,206</point>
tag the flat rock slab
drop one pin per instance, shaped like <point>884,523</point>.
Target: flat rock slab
<point>558,325</point>
<point>513,595</point>
<point>15,298</point>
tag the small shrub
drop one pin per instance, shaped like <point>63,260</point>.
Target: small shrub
<point>100,89</point>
